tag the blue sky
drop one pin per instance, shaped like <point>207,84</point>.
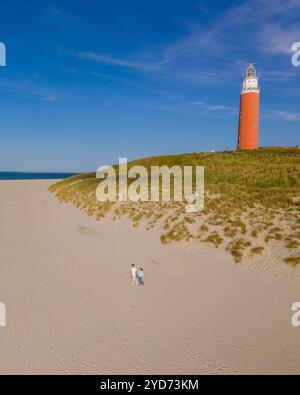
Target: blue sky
<point>89,82</point>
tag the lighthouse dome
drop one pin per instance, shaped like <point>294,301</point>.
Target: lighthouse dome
<point>251,72</point>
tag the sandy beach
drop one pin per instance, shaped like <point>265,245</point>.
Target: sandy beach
<point>64,278</point>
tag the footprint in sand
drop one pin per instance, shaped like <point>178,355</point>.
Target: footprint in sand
<point>154,262</point>
<point>88,231</point>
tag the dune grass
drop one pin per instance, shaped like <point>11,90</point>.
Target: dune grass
<point>257,250</point>
<point>249,196</point>
<point>293,260</point>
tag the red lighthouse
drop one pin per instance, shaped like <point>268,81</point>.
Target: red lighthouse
<point>249,111</point>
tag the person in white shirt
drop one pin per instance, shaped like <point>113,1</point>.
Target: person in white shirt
<point>133,274</point>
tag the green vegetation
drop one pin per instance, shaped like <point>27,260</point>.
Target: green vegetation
<point>237,248</point>
<point>293,260</point>
<point>214,238</point>
<point>257,250</point>
<point>249,196</point>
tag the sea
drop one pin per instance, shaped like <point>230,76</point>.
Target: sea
<point>15,175</point>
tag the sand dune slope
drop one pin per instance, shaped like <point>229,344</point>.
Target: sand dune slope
<point>64,278</point>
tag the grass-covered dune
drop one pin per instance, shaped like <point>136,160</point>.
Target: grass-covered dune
<point>252,202</point>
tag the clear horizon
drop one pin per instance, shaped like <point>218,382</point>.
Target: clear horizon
<point>84,86</point>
